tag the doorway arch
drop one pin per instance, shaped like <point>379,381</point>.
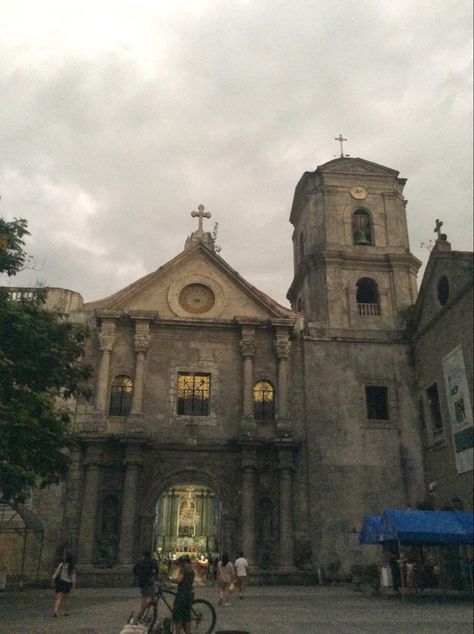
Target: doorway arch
<point>188,520</point>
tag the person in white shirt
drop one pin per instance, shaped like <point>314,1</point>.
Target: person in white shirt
<point>241,572</point>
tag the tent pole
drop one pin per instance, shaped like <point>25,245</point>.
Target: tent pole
<point>402,584</point>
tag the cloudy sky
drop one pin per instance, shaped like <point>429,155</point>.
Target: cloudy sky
<point>118,118</point>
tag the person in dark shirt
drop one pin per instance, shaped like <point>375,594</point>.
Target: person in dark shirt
<point>184,596</point>
<point>145,572</point>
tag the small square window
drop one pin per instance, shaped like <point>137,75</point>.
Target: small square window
<point>376,399</point>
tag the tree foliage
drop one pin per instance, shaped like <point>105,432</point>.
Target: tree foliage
<point>40,370</point>
<point>12,254</point>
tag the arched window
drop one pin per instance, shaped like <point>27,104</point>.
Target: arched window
<point>300,305</point>
<point>121,394</point>
<point>362,227</point>
<point>263,401</point>
<point>443,290</point>
<point>368,301</point>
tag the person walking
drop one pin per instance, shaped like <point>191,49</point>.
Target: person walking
<point>225,578</point>
<point>145,572</point>
<point>64,580</point>
<point>241,566</point>
<point>184,596</point>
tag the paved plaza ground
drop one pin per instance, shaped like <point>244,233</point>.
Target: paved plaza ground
<point>266,610</point>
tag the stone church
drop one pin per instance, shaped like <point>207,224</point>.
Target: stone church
<point>222,421</point>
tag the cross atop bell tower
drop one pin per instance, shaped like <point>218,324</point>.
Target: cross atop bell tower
<point>341,140</point>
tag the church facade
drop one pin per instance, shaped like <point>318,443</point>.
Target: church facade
<point>224,422</point>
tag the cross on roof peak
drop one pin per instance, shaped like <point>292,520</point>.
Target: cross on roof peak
<point>200,214</point>
<point>441,236</point>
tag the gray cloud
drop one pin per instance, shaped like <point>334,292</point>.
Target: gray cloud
<point>114,130</point>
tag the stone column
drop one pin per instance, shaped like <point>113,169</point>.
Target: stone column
<point>282,348</point>
<point>106,343</point>
<point>142,342</point>
<point>285,457</point>
<point>89,505</point>
<point>132,464</point>
<point>248,466</point>
<point>247,346</point>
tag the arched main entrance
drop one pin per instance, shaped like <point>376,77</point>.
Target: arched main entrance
<point>187,521</point>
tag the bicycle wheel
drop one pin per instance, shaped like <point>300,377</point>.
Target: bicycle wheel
<point>203,616</point>
<point>148,618</point>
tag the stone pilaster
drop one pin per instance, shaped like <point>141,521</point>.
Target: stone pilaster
<point>106,343</point>
<point>285,457</point>
<point>247,346</point>
<point>89,505</point>
<point>142,342</point>
<point>248,467</point>
<point>132,464</point>
<point>282,350</point>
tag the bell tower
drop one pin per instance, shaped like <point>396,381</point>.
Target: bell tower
<point>353,267</point>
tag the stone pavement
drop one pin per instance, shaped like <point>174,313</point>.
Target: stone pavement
<point>266,610</point>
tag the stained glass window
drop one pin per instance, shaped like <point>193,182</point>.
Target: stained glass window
<point>193,394</point>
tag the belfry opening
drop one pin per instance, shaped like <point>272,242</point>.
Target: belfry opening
<point>187,521</point>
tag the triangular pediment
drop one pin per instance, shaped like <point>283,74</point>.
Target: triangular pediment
<point>456,267</point>
<point>196,284</point>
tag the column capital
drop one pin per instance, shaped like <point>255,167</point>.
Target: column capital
<point>282,346</point>
<point>142,342</point>
<point>106,342</point>
<point>247,346</point>
<point>142,335</point>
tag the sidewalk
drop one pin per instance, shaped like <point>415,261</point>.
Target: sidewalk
<point>266,610</point>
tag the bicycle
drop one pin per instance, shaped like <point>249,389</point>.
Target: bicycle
<point>203,614</point>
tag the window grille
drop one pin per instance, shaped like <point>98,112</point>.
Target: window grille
<point>121,395</point>
<point>263,401</point>
<point>193,394</point>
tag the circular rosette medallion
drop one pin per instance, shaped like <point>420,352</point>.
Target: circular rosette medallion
<point>196,298</point>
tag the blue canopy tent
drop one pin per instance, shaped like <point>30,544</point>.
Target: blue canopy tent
<point>427,527</point>
<point>369,533</point>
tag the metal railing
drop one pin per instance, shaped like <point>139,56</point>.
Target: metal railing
<point>369,310</point>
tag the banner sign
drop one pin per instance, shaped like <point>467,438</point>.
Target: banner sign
<point>459,407</point>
